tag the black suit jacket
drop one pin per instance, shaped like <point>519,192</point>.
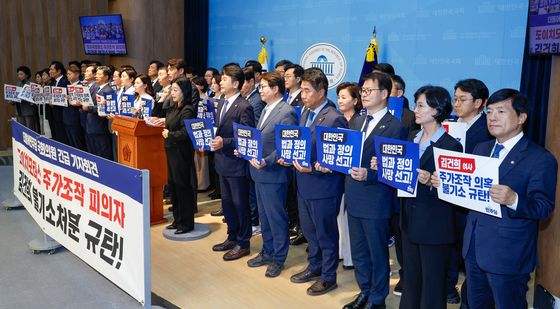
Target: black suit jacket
<point>157,87</point>
<point>226,163</point>
<point>409,121</point>
<point>175,122</point>
<point>426,219</point>
<point>477,134</point>
<point>94,123</point>
<point>54,113</point>
<point>297,101</point>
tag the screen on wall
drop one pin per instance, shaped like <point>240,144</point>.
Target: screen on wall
<point>103,35</point>
<point>544,26</point>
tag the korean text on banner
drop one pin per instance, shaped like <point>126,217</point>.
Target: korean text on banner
<point>11,93</point>
<point>91,206</point>
<point>201,132</point>
<point>248,142</point>
<point>339,149</point>
<point>397,162</point>
<point>206,110</point>
<point>465,180</point>
<point>293,143</point>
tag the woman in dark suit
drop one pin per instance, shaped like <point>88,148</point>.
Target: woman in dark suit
<point>427,223</point>
<point>180,153</point>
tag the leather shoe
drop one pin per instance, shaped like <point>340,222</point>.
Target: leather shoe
<point>398,288</point>
<point>321,287</point>
<point>259,260</point>
<point>215,196</point>
<point>299,239</point>
<point>357,303</point>
<point>217,213</point>
<point>183,230</point>
<point>347,267</point>
<point>274,269</point>
<point>373,306</point>
<point>236,253</point>
<point>224,246</point>
<point>304,276</point>
<point>453,297</point>
<point>172,226</point>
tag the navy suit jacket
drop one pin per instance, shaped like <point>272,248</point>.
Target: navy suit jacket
<point>241,112</point>
<point>318,185</point>
<point>94,123</point>
<point>297,101</point>
<point>257,104</point>
<point>477,133</point>
<point>509,245</point>
<point>409,120</point>
<point>426,219</point>
<point>55,113</point>
<point>372,199</point>
<point>273,172</point>
<point>71,115</point>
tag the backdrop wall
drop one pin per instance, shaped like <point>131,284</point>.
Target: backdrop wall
<point>436,42</point>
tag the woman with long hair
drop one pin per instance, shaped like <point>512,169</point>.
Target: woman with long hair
<point>180,152</point>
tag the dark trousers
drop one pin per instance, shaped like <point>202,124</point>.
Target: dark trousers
<point>179,164</point>
<point>253,203</point>
<point>292,202</point>
<point>487,290</point>
<point>318,221</point>
<point>76,137</point>
<point>31,122</point>
<point>235,204</point>
<point>395,225</point>
<point>271,198</point>
<point>425,270</point>
<point>214,177</point>
<point>100,145</point>
<point>56,124</point>
<point>456,263</point>
<point>370,255</point>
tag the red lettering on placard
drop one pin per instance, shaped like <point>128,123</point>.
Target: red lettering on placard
<point>463,165</point>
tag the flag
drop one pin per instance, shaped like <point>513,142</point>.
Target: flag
<point>263,58</point>
<point>371,57</point>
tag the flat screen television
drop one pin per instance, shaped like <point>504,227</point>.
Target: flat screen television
<point>544,27</point>
<point>103,35</point>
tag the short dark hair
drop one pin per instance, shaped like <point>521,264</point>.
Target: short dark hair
<point>354,90</point>
<point>158,64</point>
<point>475,87</point>
<point>437,98</point>
<point>385,68</point>
<point>234,71</point>
<point>186,88</point>
<point>316,78</point>
<point>177,63</point>
<point>25,70</point>
<point>255,65</point>
<point>383,81</point>
<point>213,70</point>
<point>59,67</point>
<point>519,102</point>
<point>249,73</point>
<point>97,63</point>
<point>274,79</point>
<point>190,70</point>
<point>106,71</point>
<point>399,82</point>
<point>298,69</point>
<point>200,81</point>
<point>75,62</point>
<point>283,63</point>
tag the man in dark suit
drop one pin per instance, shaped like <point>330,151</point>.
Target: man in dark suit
<point>398,90</point>
<point>98,138</point>
<point>468,104</point>
<point>292,79</point>
<point>501,253</point>
<point>233,171</point>
<point>153,70</point>
<point>366,199</point>
<point>271,178</point>
<point>319,191</point>
<point>52,112</point>
<point>251,94</point>
<point>71,114</point>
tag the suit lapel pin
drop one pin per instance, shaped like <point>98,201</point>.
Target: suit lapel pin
<point>512,162</point>
<point>382,127</point>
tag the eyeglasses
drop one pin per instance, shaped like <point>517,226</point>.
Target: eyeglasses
<point>461,100</point>
<point>367,91</point>
<point>261,87</point>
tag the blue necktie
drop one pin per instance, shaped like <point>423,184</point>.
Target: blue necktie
<point>368,119</point>
<point>497,149</point>
<point>226,102</point>
<point>310,117</point>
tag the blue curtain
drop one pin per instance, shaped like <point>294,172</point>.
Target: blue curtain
<point>535,83</point>
<point>196,34</point>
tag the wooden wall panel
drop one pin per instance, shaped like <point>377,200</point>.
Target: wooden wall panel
<point>35,32</point>
<point>548,274</point>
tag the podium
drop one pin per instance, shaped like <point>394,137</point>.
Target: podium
<point>141,146</point>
